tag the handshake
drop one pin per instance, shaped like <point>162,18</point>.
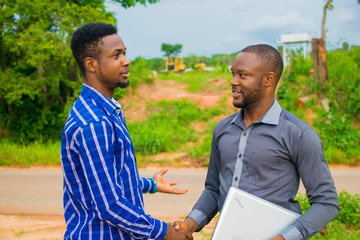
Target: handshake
<point>181,230</point>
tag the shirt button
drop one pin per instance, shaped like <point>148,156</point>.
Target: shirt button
<point>236,178</point>
<point>244,133</point>
<point>240,155</point>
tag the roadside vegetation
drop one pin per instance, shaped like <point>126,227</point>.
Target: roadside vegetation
<point>173,125</point>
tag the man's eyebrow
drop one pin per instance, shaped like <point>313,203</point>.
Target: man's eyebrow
<point>119,50</point>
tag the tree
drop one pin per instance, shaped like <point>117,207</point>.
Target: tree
<point>39,77</point>
<point>319,50</point>
<point>171,50</point>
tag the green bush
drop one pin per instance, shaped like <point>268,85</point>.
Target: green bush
<point>343,87</point>
<point>346,224</point>
<point>203,150</point>
<point>340,136</point>
<point>197,80</point>
<point>167,128</point>
<point>341,141</point>
<point>349,209</point>
<point>34,154</point>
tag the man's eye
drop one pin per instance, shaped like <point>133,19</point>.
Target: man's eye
<point>233,74</point>
<point>125,53</point>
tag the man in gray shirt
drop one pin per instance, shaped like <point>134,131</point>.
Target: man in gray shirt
<point>265,150</point>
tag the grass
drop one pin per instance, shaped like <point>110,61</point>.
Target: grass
<point>167,129</point>
<point>197,80</point>
<point>34,154</point>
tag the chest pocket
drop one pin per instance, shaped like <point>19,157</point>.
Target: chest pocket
<point>262,171</point>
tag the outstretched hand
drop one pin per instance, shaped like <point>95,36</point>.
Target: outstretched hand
<point>165,186</point>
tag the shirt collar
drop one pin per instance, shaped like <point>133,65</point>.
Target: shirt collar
<point>271,117</point>
<point>110,105</point>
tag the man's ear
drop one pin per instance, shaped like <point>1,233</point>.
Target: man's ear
<point>270,79</point>
<point>90,64</point>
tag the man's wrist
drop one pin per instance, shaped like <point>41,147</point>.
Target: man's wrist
<point>155,186</point>
<point>192,225</point>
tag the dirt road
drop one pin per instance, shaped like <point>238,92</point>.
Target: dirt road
<point>31,199</point>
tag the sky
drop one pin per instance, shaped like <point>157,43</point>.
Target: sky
<point>208,27</point>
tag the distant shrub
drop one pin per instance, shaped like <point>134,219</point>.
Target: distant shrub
<point>346,224</point>
<point>167,128</point>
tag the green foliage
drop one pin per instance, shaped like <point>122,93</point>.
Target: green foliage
<point>39,77</point>
<point>346,224</point>
<point>349,208</point>
<point>338,231</point>
<point>197,80</point>
<point>203,150</point>
<point>296,83</point>
<point>34,154</point>
<point>192,59</point>
<point>340,136</point>
<point>222,59</point>
<point>167,129</point>
<point>37,72</point>
<point>156,64</point>
<point>171,50</point>
<point>343,87</point>
<point>341,141</point>
<point>128,3</point>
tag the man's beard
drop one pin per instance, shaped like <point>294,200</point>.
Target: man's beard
<point>250,98</point>
<point>123,84</point>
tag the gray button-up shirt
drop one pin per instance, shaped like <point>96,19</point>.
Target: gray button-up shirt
<point>267,159</point>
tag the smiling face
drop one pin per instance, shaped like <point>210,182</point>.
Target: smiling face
<point>113,65</point>
<point>247,81</point>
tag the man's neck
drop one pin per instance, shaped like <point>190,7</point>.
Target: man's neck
<point>254,112</point>
<point>101,88</point>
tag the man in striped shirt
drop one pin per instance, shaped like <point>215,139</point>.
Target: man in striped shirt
<point>102,188</point>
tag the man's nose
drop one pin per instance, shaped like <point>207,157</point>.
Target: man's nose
<point>234,81</point>
<point>126,62</point>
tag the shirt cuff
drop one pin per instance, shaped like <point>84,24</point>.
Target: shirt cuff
<point>291,233</point>
<point>148,185</point>
<point>199,218</point>
<point>153,188</point>
<point>159,230</point>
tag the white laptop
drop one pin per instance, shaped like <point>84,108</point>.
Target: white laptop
<point>248,217</point>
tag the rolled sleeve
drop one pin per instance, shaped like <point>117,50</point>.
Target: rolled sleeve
<point>148,185</point>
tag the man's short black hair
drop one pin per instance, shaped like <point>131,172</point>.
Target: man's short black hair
<point>87,41</point>
<point>271,58</point>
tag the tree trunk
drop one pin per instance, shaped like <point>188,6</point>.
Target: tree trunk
<point>319,51</point>
<point>319,61</point>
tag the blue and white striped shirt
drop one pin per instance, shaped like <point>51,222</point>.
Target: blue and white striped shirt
<point>102,188</point>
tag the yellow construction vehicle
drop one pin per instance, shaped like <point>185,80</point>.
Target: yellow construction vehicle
<point>200,66</point>
<point>176,64</point>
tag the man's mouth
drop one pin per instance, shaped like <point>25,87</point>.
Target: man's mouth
<point>236,92</point>
<point>125,73</point>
